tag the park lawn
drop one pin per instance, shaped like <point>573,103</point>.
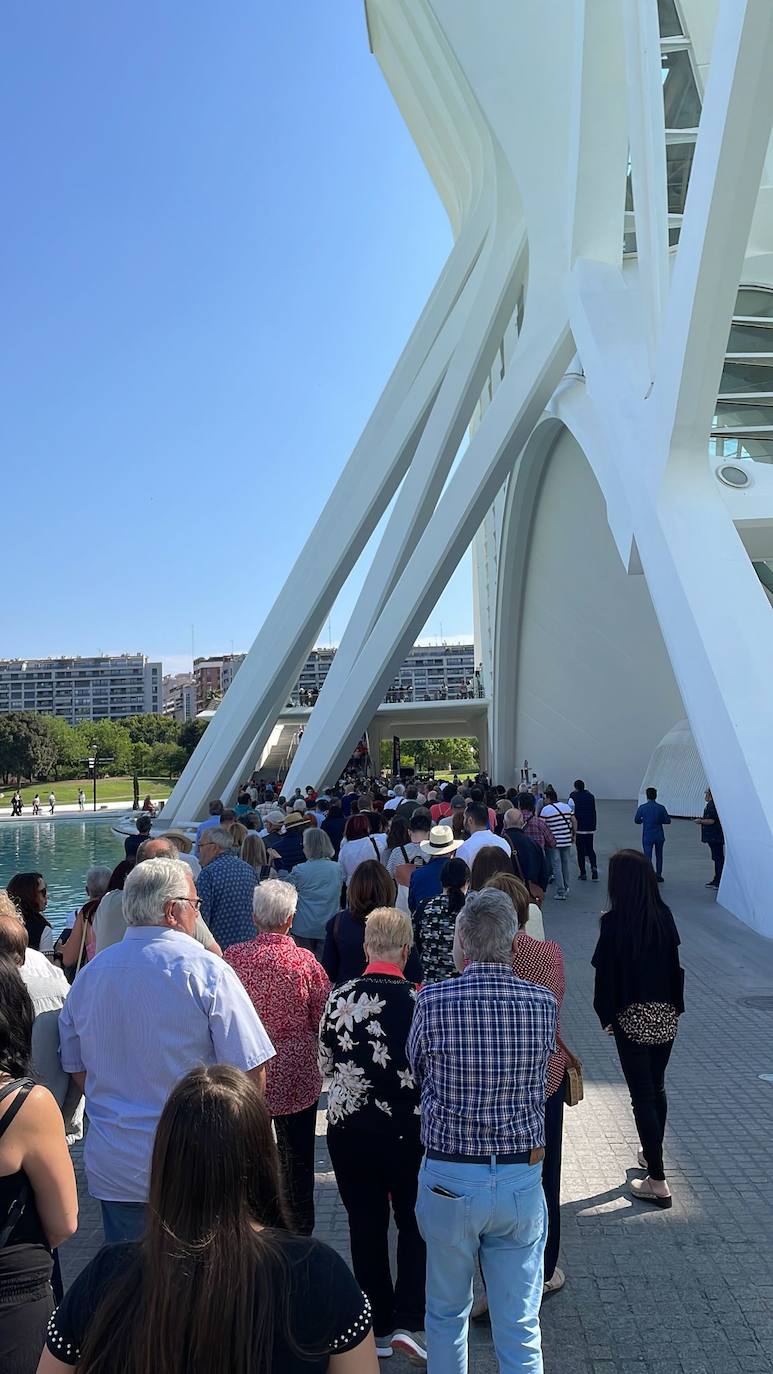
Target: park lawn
<point>66,790</point>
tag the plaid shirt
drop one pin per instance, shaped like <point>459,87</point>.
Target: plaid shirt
<point>479,1047</point>
<point>539,831</point>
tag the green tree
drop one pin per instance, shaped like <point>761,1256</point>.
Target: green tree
<point>110,740</point>
<point>166,760</point>
<point>27,746</point>
<point>190,734</point>
<point>67,762</point>
<point>152,729</point>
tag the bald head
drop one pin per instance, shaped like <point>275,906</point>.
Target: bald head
<point>157,849</point>
<point>514,819</point>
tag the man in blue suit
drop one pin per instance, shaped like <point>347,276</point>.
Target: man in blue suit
<point>652,817</point>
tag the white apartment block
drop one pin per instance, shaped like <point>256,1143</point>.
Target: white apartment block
<point>431,672</point>
<point>107,687</point>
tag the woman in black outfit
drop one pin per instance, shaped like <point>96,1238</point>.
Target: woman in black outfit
<point>343,955</point>
<point>639,997</point>
<point>38,1197</point>
<point>29,893</point>
<point>219,1283</point>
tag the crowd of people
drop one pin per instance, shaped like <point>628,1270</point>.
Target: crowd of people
<point>383,940</point>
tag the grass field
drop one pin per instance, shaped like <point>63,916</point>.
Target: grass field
<point>66,791</point>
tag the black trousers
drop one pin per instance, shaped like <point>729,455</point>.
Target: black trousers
<point>644,1069</point>
<point>585,851</point>
<point>371,1171</point>
<point>551,1175</point>
<point>295,1139</point>
<point>718,855</point>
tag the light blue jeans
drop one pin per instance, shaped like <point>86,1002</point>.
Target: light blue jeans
<point>559,858</point>
<point>499,1212</point>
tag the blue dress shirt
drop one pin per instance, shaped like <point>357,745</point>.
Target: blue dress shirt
<point>139,1017</point>
<point>226,886</point>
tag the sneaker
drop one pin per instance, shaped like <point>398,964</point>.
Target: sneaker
<point>384,1347</point>
<point>408,1344</point>
<point>712,884</point>
<point>660,878</point>
<point>560,896</point>
<point>555,1283</point>
<point>642,1189</point>
<point>595,875</point>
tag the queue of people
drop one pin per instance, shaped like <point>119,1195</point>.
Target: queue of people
<point>399,959</point>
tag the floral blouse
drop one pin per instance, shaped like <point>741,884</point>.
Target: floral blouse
<point>288,989</point>
<point>362,1038</point>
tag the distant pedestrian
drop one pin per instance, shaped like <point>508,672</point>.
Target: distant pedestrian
<point>559,818</point>
<point>651,816</point>
<point>16,804</point>
<point>639,997</point>
<point>585,828</point>
<point>81,799</point>
<point>51,802</point>
<point>713,835</point>
<point>36,804</point>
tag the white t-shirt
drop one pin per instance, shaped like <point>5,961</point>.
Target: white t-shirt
<point>354,852</point>
<point>393,803</point>
<point>480,840</point>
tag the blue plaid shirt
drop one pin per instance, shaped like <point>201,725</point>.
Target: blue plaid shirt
<point>479,1047</point>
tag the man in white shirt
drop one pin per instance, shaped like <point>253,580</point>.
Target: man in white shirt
<point>137,1019</point>
<point>480,836</point>
<point>395,797</point>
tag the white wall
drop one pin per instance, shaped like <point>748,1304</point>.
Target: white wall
<point>595,688</point>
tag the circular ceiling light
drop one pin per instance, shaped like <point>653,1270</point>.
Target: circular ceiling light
<point>733,476</point>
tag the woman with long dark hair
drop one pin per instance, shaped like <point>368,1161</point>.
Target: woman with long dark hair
<point>38,1196</point>
<point>29,894</point>
<point>218,1285</point>
<point>343,956</point>
<point>639,998</point>
<point>489,860</point>
<point>435,922</point>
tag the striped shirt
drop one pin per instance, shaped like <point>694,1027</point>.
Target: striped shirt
<point>479,1047</point>
<point>555,815</point>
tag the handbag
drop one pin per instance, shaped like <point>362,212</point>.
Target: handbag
<point>574,1088</point>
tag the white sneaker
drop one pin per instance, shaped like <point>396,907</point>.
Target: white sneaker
<point>406,1342</point>
<point>384,1347</point>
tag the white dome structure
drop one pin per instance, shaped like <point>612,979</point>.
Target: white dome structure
<point>676,770</point>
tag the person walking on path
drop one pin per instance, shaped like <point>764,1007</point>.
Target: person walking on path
<point>288,990</point>
<point>373,1129</point>
<point>479,1049</point>
<point>81,799</point>
<point>651,816</point>
<point>713,835</point>
<point>51,802</point>
<point>559,818</point>
<point>584,804</point>
<point>138,1017</point>
<point>639,997</point>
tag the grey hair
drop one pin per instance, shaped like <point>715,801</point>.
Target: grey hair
<point>317,844</point>
<point>487,925</point>
<point>150,886</point>
<point>273,903</point>
<point>299,805</point>
<point>97,880</point>
<point>513,818</point>
<point>220,836</point>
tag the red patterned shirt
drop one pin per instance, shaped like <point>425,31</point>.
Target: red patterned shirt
<point>288,989</point>
<point>542,962</point>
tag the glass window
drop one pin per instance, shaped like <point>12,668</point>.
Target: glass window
<point>668,18</point>
<point>679,158</point>
<point>731,415</point>
<point>681,101</point>
<point>746,377</point>
<point>760,450</point>
<point>750,338</point>
<point>754,302</point>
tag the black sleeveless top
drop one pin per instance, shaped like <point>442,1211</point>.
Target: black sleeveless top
<point>17,1200</point>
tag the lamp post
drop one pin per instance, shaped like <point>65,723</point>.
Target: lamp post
<point>94,759</point>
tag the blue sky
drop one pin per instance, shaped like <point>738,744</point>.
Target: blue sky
<point>217,235</point>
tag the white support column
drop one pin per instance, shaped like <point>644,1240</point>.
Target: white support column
<point>543,352</point>
<point>364,490</point>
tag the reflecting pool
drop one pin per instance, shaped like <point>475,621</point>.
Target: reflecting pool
<point>62,850</point>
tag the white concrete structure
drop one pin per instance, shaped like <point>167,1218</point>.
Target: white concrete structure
<point>622,577</point>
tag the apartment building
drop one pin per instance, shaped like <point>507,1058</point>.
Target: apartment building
<point>106,687</point>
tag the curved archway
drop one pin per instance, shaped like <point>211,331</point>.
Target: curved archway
<point>583,683</point>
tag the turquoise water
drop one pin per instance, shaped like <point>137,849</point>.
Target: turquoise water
<point>63,851</point>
